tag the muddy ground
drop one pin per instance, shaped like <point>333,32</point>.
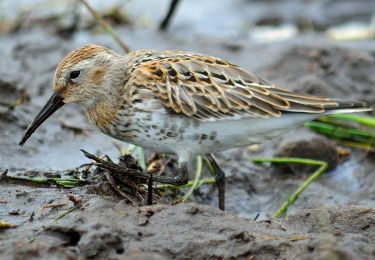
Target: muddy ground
<point>333,218</point>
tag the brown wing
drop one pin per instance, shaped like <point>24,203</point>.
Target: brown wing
<point>208,88</point>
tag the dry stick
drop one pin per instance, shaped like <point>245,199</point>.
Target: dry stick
<point>56,205</point>
<point>129,172</point>
<point>106,26</point>
<point>165,23</point>
<point>163,166</point>
<point>116,188</point>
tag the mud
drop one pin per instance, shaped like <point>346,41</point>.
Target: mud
<point>106,228</point>
<point>333,218</point>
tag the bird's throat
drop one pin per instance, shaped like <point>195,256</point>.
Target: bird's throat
<point>102,114</point>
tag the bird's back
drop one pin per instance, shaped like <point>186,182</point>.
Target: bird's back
<point>177,100</point>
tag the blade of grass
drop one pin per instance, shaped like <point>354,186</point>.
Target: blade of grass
<point>65,213</point>
<point>293,197</point>
<point>141,157</point>
<point>187,185</point>
<point>342,133</point>
<point>209,165</point>
<point>63,182</point>
<point>106,26</point>
<point>198,172</point>
<point>366,147</point>
<point>348,129</point>
<point>363,120</point>
<point>130,149</point>
<point>138,153</point>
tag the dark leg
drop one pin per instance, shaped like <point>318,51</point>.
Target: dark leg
<point>220,180</point>
<point>149,190</point>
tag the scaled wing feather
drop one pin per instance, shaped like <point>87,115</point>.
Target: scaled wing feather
<point>212,89</point>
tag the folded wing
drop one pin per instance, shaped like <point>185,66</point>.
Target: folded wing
<point>212,89</point>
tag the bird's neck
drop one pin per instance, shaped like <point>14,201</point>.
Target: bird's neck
<point>103,113</point>
<point>103,110</point>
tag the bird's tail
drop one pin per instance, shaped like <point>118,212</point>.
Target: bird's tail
<point>347,107</point>
<point>302,103</point>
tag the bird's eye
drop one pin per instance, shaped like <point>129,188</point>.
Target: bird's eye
<point>74,74</point>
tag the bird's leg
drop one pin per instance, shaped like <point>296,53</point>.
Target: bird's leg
<point>183,176</point>
<point>149,190</point>
<point>220,180</point>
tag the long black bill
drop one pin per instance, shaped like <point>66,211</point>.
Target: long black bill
<point>54,103</point>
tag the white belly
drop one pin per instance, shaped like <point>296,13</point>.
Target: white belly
<point>176,135</point>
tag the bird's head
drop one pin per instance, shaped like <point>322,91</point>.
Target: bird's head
<point>84,76</point>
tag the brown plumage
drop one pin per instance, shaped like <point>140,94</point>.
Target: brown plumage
<point>122,95</point>
<point>205,87</point>
<point>179,102</point>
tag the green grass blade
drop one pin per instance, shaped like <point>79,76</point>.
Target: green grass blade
<point>293,197</point>
<point>197,177</point>
<point>363,120</point>
<point>342,132</point>
<point>141,157</point>
<point>164,187</point>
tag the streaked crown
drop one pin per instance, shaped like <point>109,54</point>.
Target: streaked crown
<point>83,74</point>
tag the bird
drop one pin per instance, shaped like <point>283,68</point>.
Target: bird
<point>180,102</point>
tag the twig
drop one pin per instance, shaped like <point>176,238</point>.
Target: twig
<point>292,198</point>
<point>67,32</point>
<point>129,172</point>
<point>106,26</point>
<point>112,181</point>
<point>54,205</point>
<point>163,166</point>
<point>166,21</point>
<point>32,217</point>
<point>75,201</point>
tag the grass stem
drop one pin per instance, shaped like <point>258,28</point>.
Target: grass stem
<point>197,177</point>
<point>106,26</point>
<point>293,197</point>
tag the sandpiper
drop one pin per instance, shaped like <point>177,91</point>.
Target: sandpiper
<point>178,102</point>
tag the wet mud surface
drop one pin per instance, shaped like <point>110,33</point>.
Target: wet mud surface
<point>333,218</point>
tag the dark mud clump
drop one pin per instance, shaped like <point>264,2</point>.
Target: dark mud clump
<point>315,149</point>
